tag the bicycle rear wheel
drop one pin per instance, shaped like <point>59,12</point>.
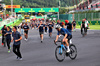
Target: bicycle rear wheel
<point>60,54</point>
<point>73,52</point>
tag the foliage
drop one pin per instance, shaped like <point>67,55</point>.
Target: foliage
<point>41,3</point>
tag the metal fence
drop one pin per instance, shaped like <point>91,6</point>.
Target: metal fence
<point>78,17</point>
<point>62,16</point>
<point>89,16</point>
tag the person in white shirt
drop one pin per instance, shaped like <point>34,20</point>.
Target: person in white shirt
<point>86,24</point>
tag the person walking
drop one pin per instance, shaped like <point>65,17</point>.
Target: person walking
<point>26,28</point>
<point>8,37</point>
<point>16,42</point>
<point>3,32</point>
<point>22,28</point>
<point>41,28</point>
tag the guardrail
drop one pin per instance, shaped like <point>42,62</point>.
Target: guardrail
<point>8,22</point>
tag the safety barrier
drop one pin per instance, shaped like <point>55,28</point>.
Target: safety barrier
<point>8,22</point>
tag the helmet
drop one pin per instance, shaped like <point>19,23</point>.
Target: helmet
<point>57,26</point>
<point>66,21</point>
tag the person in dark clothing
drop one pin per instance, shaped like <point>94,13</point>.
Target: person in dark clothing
<point>41,28</point>
<point>26,28</point>
<point>8,37</point>
<point>3,32</point>
<point>69,26</point>
<point>83,26</point>
<point>50,26</point>
<point>58,22</point>
<point>74,24</point>
<point>16,42</point>
<point>46,28</point>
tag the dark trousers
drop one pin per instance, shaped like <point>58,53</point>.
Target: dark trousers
<point>46,29</point>
<point>16,50</point>
<point>2,38</point>
<point>8,43</point>
<point>86,29</point>
<point>83,28</point>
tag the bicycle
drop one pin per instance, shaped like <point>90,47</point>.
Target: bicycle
<point>61,50</point>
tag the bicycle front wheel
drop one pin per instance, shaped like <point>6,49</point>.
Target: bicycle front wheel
<point>60,54</point>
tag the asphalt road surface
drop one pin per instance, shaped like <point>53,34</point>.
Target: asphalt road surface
<point>43,54</point>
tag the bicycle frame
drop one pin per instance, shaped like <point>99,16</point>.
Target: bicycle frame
<point>62,47</point>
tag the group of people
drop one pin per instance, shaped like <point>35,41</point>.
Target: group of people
<point>40,24</point>
<point>43,26</point>
<point>63,28</point>
<point>16,38</point>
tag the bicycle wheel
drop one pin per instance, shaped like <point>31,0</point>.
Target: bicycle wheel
<point>60,54</point>
<point>73,52</point>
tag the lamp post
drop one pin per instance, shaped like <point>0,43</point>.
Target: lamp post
<point>59,8</point>
<point>12,7</point>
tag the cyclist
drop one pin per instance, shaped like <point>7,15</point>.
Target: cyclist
<point>3,31</point>
<point>26,28</point>
<point>67,35</point>
<point>74,24</point>
<point>50,26</point>
<point>41,28</point>
<point>83,23</point>
<point>69,26</point>
<point>8,37</point>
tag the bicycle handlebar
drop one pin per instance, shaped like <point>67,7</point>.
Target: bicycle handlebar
<point>57,41</point>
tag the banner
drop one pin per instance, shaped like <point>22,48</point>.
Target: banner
<point>36,9</point>
<point>14,6</point>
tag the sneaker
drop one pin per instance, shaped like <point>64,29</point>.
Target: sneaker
<point>25,39</point>
<point>45,32</point>
<point>41,41</point>
<point>50,36</point>
<point>8,51</point>
<point>2,44</point>
<point>68,51</point>
<point>59,36</point>
<point>20,59</point>
<point>10,48</point>
<point>17,58</point>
